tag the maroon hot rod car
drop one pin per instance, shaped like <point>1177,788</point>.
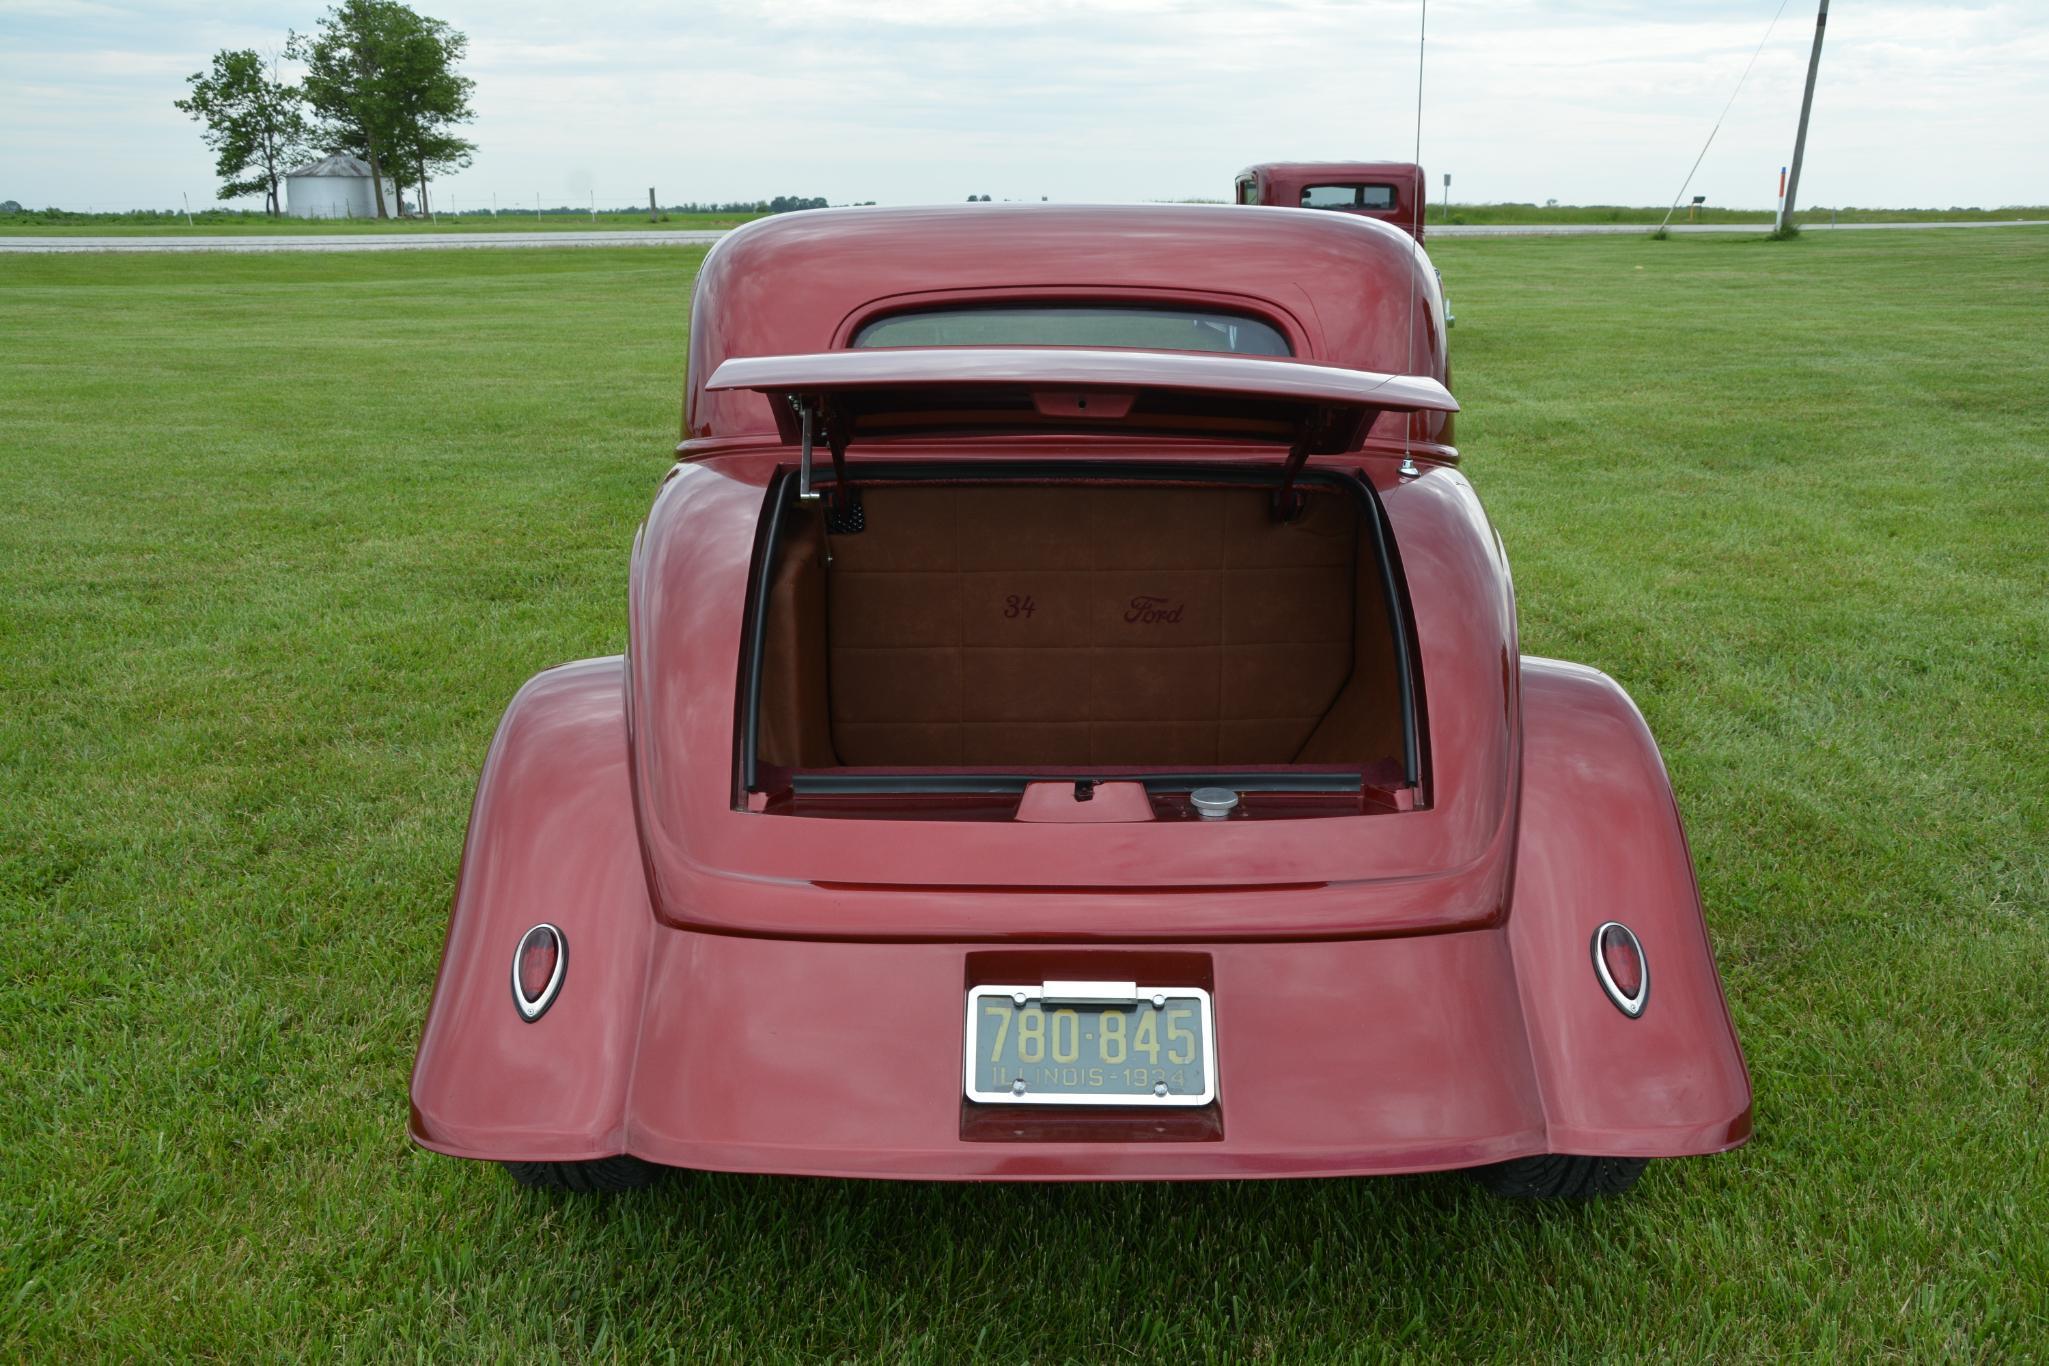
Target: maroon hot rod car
<point>1073,728</point>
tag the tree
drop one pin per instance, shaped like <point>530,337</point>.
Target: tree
<point>382,79</point>
<point>348,60</point>
<point>436,152</point>
<point>254,123</point>
<point>433,97</point>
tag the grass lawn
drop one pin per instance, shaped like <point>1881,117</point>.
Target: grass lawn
<point>283,533</point>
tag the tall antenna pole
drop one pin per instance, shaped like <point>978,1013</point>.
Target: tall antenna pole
<point>1408,466</point>
<point>1806,104</point>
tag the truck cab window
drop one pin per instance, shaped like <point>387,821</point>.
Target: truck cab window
<point>1348,196</point>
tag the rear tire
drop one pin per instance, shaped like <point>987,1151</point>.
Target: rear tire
<point>606,1175</point>
<point>1557,1176</point>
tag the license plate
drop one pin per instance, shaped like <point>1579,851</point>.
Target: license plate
<point>1090,1043</point>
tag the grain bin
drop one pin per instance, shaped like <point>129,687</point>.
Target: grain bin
<point>337,186</point>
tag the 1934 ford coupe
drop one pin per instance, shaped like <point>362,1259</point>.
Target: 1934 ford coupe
<point>1073,728</point>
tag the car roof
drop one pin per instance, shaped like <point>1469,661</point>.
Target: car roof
<point>1342,169</point>
<point>793,283</point>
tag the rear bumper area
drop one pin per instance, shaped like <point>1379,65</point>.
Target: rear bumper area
<point>844,1059</point>
<point>810,1055</point>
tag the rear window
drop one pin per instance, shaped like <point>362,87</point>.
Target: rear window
<point>1348,196</point>
<point>1143,327</point>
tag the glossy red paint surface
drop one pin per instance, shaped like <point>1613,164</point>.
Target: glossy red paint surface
<point>1601,840</point>
<point>1344,289</point>
<point>1394,989</point>
<point>1063,382</point>
<point>551,839</point>
<point>1340,1056</point>
<point>1280,184</point>
<point>1050,367</point>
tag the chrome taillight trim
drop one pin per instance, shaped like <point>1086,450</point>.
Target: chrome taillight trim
<point>534,1007</point>
<point>1630,1005</point>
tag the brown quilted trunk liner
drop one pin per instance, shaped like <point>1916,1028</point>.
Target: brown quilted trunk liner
<point>1073,624</point>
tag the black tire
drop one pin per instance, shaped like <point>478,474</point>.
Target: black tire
<point>1556,1176</point>
<point>605,1176</point>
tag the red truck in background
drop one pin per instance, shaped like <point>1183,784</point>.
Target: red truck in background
<point>1391,191</point>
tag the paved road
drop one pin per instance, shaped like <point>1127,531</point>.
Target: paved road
<point>396,241</point>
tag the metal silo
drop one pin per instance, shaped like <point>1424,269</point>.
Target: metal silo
<point>337,186</point>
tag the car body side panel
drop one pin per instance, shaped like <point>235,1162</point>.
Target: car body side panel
<point>1600,840</point>
<point>551,839</point>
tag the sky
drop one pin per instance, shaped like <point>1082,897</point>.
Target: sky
<point>923,101</point>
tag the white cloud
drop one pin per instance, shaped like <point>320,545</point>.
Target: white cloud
<point>910,100</point>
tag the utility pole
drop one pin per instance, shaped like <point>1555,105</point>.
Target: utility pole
<point>1806,105</point>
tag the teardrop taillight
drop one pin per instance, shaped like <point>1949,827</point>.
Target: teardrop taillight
<point>1619,964</point>
<point>537,967</point>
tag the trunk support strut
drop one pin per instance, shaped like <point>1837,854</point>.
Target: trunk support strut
<point>1316,431</point>
<point>836,443</point>
<point>843,513</point>
<point>1324,433</point>
<point>1287,504</point>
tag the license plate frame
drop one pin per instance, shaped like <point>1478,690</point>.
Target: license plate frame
<point>1097,998</point>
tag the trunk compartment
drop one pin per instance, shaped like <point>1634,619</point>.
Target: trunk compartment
<point>933,646</point>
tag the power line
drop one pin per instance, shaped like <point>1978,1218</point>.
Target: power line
<point>1725,112</point>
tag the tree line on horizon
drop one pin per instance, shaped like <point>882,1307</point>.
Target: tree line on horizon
<point>381,84</point>
<point>782,203</point>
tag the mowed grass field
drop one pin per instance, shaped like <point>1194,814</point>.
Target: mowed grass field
<point>282,534</point>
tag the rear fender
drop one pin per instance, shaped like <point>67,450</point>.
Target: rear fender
<point>552,838</point>
<point>1600,839</point>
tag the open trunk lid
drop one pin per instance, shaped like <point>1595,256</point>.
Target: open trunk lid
<point>1316,409</point>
